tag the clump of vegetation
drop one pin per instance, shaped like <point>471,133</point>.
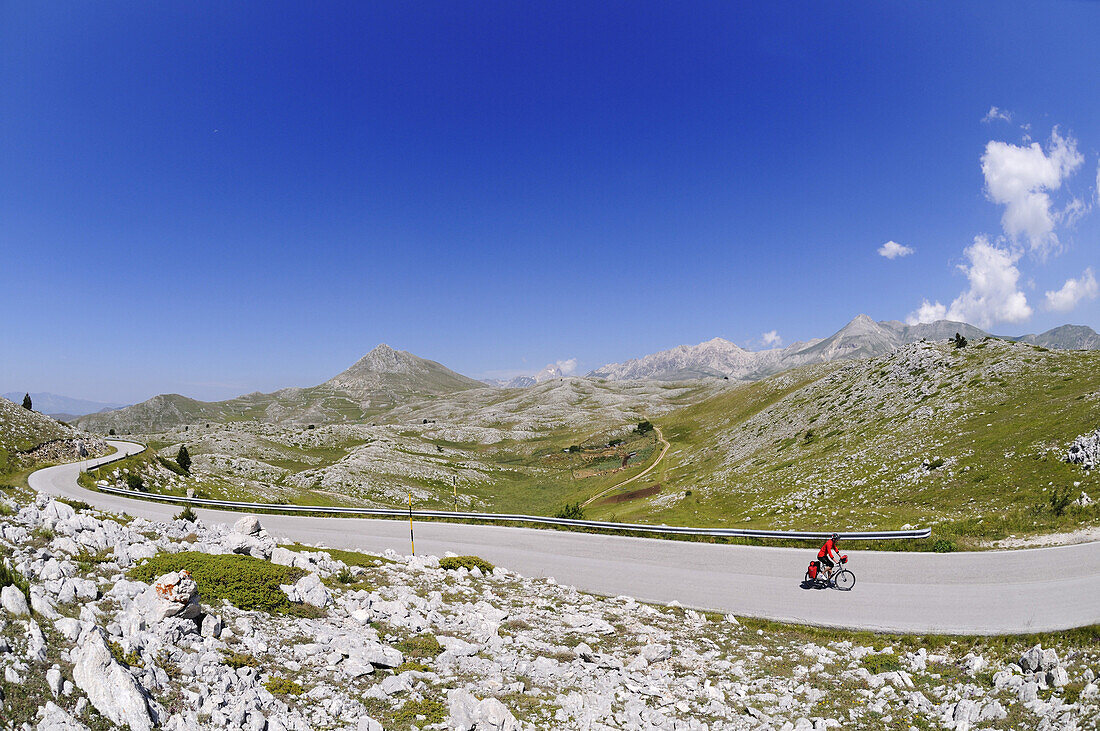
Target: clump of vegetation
<point>453,563</point>
<point>27,402</point>
<point>75,504</point>
<point>643,428</point>
<point>1060,499</point>
<point>935,464</point>
<point>283,686</point>
<point>246,582</point>
<point>411,665</point>
<point>131,659</point>
<point>433,710</point>
<point>420,647</point>
<point>942,545</point>
<point>574,448</point>
<point>134,482</point>
<point>170,465</point>
<point>809,438</point>
<point>111,432</point>
<point>571,511</point>
<point>884,663</point>
<point>187,514</point>
<point>183,458</point>
<point>959,341</point>
<point>87,562</point>
<point>344,576</point>
<point>11,577</point>
<point>237,660</point>
<point>614,442</point>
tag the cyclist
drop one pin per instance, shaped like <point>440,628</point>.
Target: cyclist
<point>825,555</point>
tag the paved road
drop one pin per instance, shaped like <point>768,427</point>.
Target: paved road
<point>1033,590</point>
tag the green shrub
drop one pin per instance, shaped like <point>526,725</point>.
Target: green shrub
<point>574,448</point>
<point>344,576</point>
<point>935,464</point>
<point>420,647</point>
<point>942,545</point>
<point>411,665</point>
<point>110,432</point>
<point>187,514</point>
<point>131,659</point>
<point>246,582</point>
<point>283,686</point>
<point>644,428</point>
<point>883,663</point>
<point>571,511</point>
<point>134,482</point>
<point>433,710</point>
<point>6,509</point>
<point>238,660</point>
<point>453,563</point>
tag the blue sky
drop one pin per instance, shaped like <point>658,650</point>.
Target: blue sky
<point>215,198</point>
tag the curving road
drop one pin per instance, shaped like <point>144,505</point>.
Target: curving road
<point>994,592</point>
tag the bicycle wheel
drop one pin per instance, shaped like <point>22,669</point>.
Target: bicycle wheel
<point>844,580</point>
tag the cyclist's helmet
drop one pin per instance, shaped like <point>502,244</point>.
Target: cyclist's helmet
<point>834,538</point>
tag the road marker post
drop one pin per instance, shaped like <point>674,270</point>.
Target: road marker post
<point>454,482</point>
<point>412,541</point>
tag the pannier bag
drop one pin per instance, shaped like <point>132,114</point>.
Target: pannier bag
<point>812,571</point>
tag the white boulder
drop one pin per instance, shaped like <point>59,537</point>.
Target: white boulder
<point>109,687</point>
<point>13,601</point>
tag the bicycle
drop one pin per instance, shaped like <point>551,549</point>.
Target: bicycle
<point>841,577</point>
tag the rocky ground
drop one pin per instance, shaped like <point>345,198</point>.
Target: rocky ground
<point>101,629</point>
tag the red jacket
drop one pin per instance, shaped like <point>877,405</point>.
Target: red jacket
<point>828,549</point>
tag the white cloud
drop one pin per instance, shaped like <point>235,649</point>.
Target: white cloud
<point>927,312</point>
<point>1019,178</point>
<point>771,339</point>
<point>567,367</point>
<point>995,113</point>
<point>892,250</point>
<point>1072,292</point>
<point>994,294</point>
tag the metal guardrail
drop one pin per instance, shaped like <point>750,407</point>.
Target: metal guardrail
<point>505,518</point>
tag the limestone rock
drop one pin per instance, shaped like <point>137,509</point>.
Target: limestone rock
<point>111,689</point>
<point>13,601</point>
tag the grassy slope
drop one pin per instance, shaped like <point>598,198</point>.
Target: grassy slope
<point>22,430</point>
<point>842,445</point>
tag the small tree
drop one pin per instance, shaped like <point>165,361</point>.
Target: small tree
<point>183,458</point>
<point>644,428</point>
<point>960,341</point>
<point>134,482</point>
<point>27,401</point>
<point>111,432</point>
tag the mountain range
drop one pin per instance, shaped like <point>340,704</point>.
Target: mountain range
<point>863,337</point>
<point>386,378</point>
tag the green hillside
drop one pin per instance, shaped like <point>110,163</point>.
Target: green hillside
<point>969,440</point>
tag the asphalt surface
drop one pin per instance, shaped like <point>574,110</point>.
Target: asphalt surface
<point>991,592</point>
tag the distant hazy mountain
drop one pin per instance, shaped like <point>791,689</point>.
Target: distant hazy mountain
<point>55,405</point>
<point>381,379</point>
<point>1066,337</point>
<point>860,338</point>
<point>548,373</point>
